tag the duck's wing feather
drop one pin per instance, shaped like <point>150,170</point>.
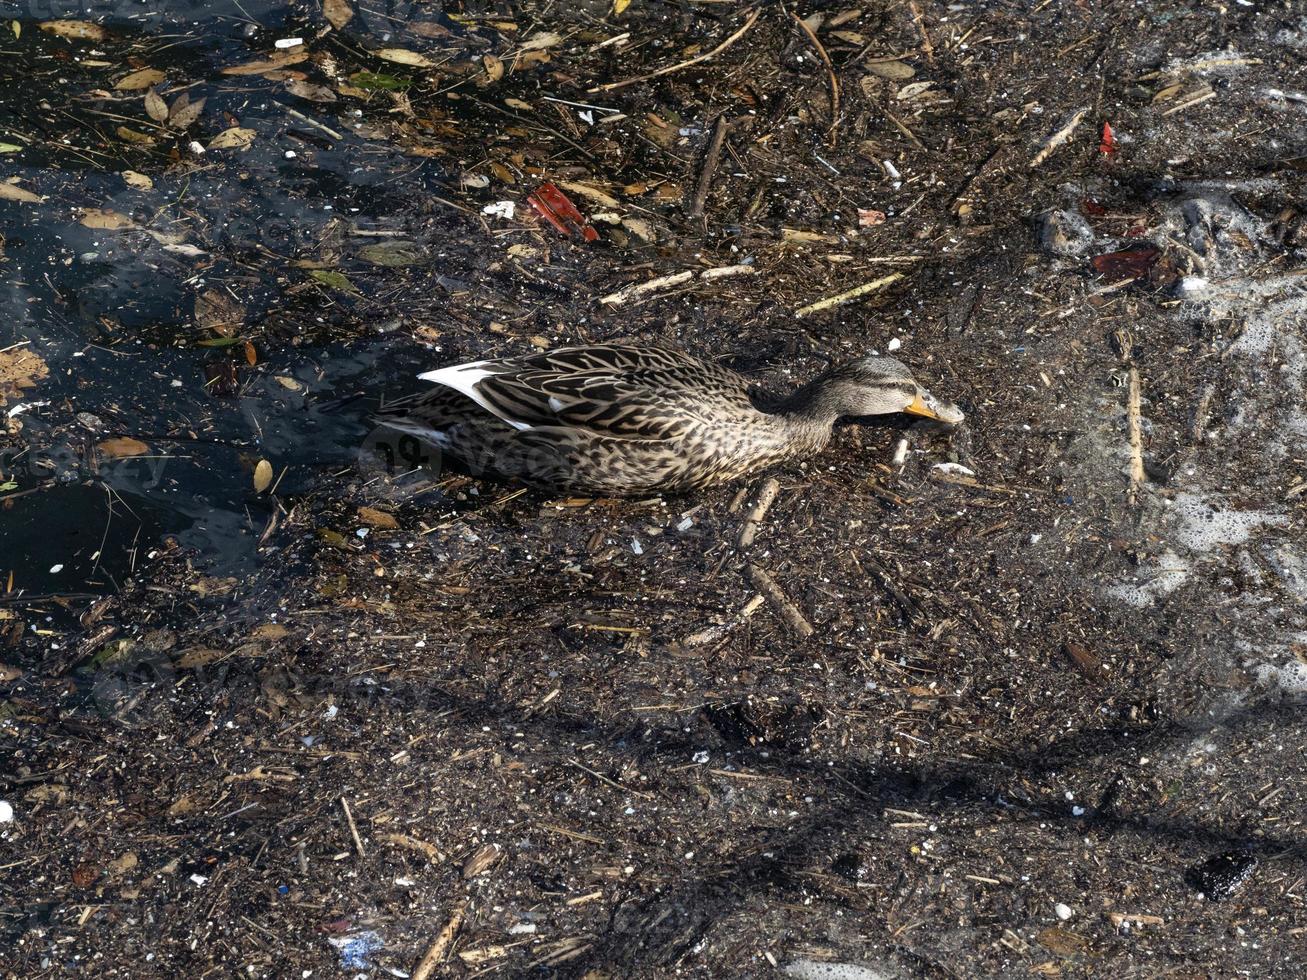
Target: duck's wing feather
<point>645,394</point>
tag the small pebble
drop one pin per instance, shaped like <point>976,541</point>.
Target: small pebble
<point>6,811</point>
<point>1062,911</point>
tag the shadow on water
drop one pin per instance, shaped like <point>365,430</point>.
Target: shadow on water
<point>111,307</point>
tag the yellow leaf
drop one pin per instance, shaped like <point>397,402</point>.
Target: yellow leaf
<point>619,6</point>
<point>134,136</point>
<point>106,220</point>
<point>403,56</point>
<point>338,13</point>
<point>123,446</point>
<point>138,81</point>
<point>237,137</point>
<point>17,28</point>
<point>75,30</point>
<point>137,180</point>
<point>493,66</point>
<point>262,476</point>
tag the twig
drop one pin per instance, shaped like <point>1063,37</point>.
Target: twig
<point>628,293</point>
<point>1189,103</point>
<point>427,966</point>
<point>788,611</point>
<point>711,158</point>
<point>313,122</point>
<point>353,830</point>
<point>925,38</point>
<point>830,76</point>
<point>747,26</point>
<point>848,295</point>
<point>1060,137</point>
<point>1136,434</point>
<point>761,504</point>
<point>902,128</point>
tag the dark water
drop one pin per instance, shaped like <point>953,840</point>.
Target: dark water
<point>112,311</point>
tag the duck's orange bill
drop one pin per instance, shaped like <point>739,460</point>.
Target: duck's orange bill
<point>919,407</point>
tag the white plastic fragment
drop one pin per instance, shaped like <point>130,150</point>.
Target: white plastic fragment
<point>6,811</point>
<point>288,42</point>
<point>500,209</point>
<point>1062,911</point>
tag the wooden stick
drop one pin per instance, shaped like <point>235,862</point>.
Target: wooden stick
<point>761,504</point>
<point>1136,433</point>
<point>830,76</point>
<point>436,953</point>
<point>849,294</point>
<point>1060,137</point>
<point>711,158</point>
<point>353,830</point>
<point>788,611</point>
<point>748,26</point>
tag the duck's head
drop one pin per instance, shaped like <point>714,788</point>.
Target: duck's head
<point>884,386</point>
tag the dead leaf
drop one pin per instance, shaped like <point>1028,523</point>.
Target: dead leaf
<point>541,41</point>
<point>262,476</point>
<point>280,60</point>
<point>216,310</point>
<point>493,66</point>
<point>120,447</point>
<point>155,107</point>
<point>12,192</point>
<point>134,136</point>
<point>185,113</point>
<point>105,220</point>
<point>140,80</point>
<point>75,30</point>
<point>124,864</point>
<point>235,138</point>
<point>912,91</point>
<point>338,13</point>
<point>403,56</point>
<point>378,519</point>
<point>894,70</point>
<point>137,180</point>
<point>870,217</point>
<point>20,369</point>
<point>1133,263</point>
<point>310,91</point>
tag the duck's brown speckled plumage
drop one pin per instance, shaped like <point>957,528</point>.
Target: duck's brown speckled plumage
<point>614,419</point>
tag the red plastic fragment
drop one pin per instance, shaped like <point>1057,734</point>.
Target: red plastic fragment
<point>1108,145</point>
<point>555,207</point>
<point>1132,263</point>
<point>1092,207</point>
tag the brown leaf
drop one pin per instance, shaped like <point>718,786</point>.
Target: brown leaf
<point>121,446</point>
<point>1132,263</point>
<point>75,30</point>
<point>338,13</point>
<point>280,60</point>
<point>377,518</point>
<point>237,137</point>
<point>12,192</point>
<point>85,875</point>
<point>20,369</point>
<point>140,80</point>
<point>1085,661</point>
<point>183,115</point>
<point>105,220</point>
<point>493,66</point>
<point>137,180</point>
<point>155,107</point>
<point>215,310</point>
<point>310,91</point>
<point>262,476</point>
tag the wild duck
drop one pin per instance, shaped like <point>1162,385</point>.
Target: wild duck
<point>611,419</point>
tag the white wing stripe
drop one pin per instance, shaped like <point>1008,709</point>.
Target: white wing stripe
<point>464,378</point>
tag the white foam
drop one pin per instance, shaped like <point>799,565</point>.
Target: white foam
<point>819,970</point>
<point>1291,678</point>
<point>1201,526</point>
